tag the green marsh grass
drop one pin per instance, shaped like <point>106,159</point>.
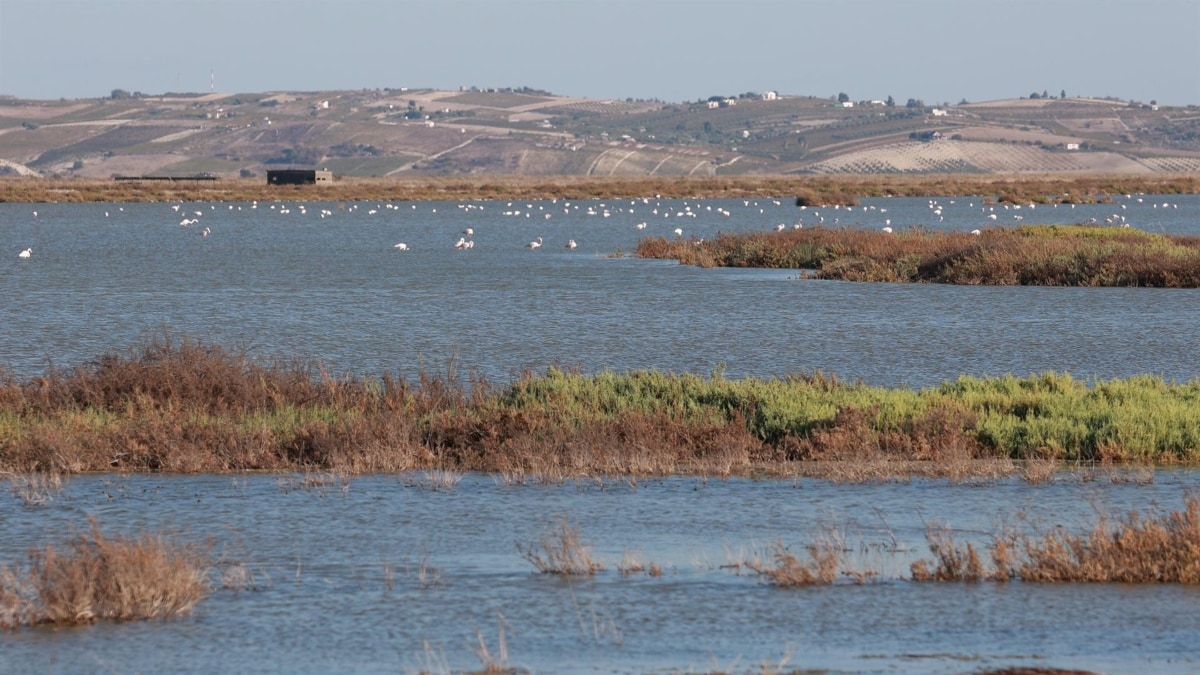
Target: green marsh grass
<point>1029,255</point>
<point>183,407</point>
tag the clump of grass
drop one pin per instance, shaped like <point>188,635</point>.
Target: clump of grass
<point>36,488</point>
<point>952,563</point>
<point>1159,548</point>
<point>97,577</point>
<point>561,550</point>
<point>784,568</point>
<point>439,480</point>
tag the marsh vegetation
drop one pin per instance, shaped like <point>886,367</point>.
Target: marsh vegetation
<point>178,405</point>
<point>1029,255</point>
<point>815,190</point>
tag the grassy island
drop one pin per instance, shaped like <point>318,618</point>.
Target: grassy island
<point>182,406</point>
<point>1030,255</point>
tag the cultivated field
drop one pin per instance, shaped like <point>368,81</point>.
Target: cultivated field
<point>426,131</point>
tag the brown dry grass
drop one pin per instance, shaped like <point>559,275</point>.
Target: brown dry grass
<point>1136,548</point>
<point>813,189</point>
<point>784,568</point>
<point>561,550</point>
<point>98,577</point>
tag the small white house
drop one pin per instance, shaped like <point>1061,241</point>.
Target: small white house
<point>714,104</point>
<point>940,112</point>
<point>1072,146</point>
<point>847,104</point>
<point>770,96</point>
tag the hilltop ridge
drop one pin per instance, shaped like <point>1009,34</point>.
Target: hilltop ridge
<point>425,132</point>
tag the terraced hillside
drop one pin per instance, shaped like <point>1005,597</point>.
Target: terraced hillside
<point>388,132</point>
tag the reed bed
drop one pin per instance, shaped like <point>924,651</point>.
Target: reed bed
<point>97,577</point>
<point>1030,255</point>
<point>1135,548</point>
<point>180,406</point>
<point>830,190</point>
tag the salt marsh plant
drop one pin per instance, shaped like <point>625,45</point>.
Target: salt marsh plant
<point>561,550</point>
<point>784,568</point>
<point>95,577</point>
<point>1134,548</point>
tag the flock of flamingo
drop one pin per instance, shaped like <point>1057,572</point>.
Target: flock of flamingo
<point>687,209</point>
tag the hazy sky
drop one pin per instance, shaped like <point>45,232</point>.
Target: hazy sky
<point>674,50</point>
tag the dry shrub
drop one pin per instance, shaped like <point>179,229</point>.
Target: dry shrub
<point>785,569</point>
<point>1037,471</point>
<point>1161,548</point>
<point>37,488</point>
<point>97,577</point>
<point>561,551</point>
<point>952,563</point>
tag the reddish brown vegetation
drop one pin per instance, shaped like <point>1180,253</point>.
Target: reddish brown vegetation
<point>1029,256</point>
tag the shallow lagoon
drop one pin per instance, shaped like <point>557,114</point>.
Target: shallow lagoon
<point>320,600</point>
<point>333,288</point>
<point>298,285</point>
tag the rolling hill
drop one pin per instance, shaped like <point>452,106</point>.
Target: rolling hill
<point>387,132</point>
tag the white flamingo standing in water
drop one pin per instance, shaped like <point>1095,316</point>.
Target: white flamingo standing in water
<point>571,244</point>
<point>402,246</point>
<point>534,245</point>
<point>26,253</point>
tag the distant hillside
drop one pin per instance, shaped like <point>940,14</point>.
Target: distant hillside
<point>426,132</point>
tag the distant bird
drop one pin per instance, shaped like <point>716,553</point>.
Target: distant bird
<point>462,244</point>
<point>678,232</point>
<point>534,245</point>
<point>26,253</point>
<point>641,226</point>
<point>402,246</point>
<point>205,232</point>
<point>571,243</point>
<point>469,231</point>
<point>888,230</point>
<point>779,227</point>
<point>976,232</point>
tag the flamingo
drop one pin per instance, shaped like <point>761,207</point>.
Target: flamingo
<point>534,245</point>
<point>402,246</point>
<point>976,232</point>
<point>26,253</point>
<point>887,230</point>
<point>678,232</point>
<point>571,243</point>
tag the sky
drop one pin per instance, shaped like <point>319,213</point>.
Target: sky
<point>671,50</point>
